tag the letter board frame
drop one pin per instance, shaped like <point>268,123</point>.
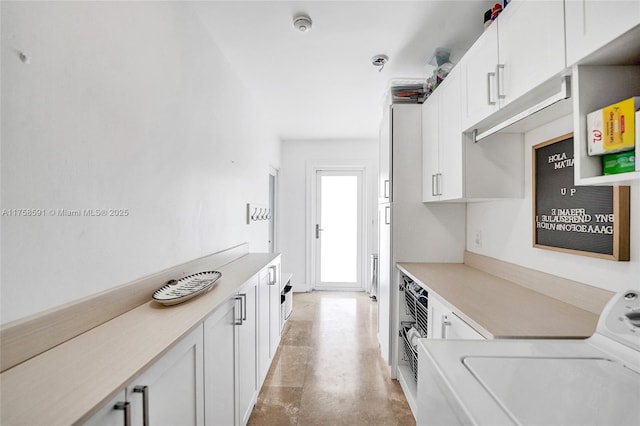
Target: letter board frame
<point>584,220</point>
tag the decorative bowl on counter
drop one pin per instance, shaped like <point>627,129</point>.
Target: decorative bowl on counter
<point>179,291</point>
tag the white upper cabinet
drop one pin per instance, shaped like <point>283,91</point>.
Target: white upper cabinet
<point>442,158</point>
<point>523,48</point>
<point>430,149</point>
<point>384,172</point>
<point>478,68</point>
<point>591,24</point>
<point>450,147</point>
<point>455,168</point>
<point>530,46</point>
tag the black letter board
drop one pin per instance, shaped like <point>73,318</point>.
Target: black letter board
<point>585,220</point>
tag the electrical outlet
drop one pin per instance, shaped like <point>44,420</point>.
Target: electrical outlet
<point>477,241</point>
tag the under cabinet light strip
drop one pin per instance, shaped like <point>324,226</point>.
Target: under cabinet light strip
<point>564,93</point>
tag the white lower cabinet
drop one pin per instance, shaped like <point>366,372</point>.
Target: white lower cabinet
<point>268,327</point>
<point>170,392</point>
<point>248,352</point>
<point>447,325</point>
<point>219,364</point>
<point>230,359</point>
<point>109,415</point>
<point>212,375</point>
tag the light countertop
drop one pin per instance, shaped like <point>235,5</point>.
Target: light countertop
<point>498,308</point>
<point>68,383</point>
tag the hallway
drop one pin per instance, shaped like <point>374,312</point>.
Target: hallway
<point>328,370</point>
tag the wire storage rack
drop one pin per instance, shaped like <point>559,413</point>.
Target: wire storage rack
<point>410,353</point>
<point>416,306</point>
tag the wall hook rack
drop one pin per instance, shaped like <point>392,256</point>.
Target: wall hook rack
<point>256,212</point>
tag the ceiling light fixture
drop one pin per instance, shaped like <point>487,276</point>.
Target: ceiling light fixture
<point>302,23</point>
<point>379,61</point>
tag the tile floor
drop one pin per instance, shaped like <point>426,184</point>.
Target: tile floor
<point>328,370</point>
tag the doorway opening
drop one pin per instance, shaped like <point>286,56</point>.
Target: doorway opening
<point>338,229</point>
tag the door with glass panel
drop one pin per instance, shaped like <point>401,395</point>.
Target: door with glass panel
<point>339,228</point>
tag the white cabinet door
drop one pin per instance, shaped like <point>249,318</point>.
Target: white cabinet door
<point>384,170</point>
<point>109,415</point>
<point>478,68</point>
<point>274,308</point>
<point>219,365</point>
<point>442,154</point>
<point>264,360</point>
<point>450,138</point>
<point>437,316</point>
<point>530,45</point>
<point>430,148</point>
<point>456,328</point>
<point>172,387</point>
<point>384,279</point>
<point>591,24</point>
<point>444,324</point>
<point>247,351</point>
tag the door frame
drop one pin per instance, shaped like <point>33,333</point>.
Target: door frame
<point>313,166</point>
<point>273,171</point>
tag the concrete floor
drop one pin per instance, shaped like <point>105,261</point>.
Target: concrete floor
<point>328,369</point>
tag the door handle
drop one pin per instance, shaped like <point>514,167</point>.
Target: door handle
<point>387,214</point>
<point>144,390</point>
<point>272,275</point>
<point>318,229</point>
<point>499,78</point>
<point>244,307</point>
<point>445,324</point>
<point>238,320</point>
<point>439,180</point>
<point>433,185</point>
<point>386,188</point>
<point>490,76</point>
<point>125,407</point>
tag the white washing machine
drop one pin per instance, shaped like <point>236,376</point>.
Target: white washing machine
<point>537,382</point>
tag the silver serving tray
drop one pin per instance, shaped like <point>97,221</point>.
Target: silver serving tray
<point>185,288</point>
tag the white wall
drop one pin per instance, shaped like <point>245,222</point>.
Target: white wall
<point>129,106</point>
<point>506,228</point>
<point>292,197</point>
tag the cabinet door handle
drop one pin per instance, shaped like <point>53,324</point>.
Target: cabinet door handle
<point>439,183</point>
<point>387,214</point>
<point>272,269</point>
<point>144,390</point>
<point>445,324</point>
<point>499,77</point>
<point>124,406</point>
<point>490,76</point>
<point>244,306</point>
<point>433,185</point>
<point>386,188</point>
<point>238,320</point>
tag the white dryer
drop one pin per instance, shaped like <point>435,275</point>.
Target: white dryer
<point>537,382</point>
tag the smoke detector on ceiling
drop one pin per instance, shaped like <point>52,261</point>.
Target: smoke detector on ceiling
<point>302,23</point>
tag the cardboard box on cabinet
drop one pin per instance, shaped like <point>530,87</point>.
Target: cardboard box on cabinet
<point>613,128</point>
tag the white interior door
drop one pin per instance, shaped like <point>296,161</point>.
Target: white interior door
<point>339,230</point>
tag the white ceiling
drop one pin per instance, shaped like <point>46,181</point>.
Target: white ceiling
<point>321,84</point>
